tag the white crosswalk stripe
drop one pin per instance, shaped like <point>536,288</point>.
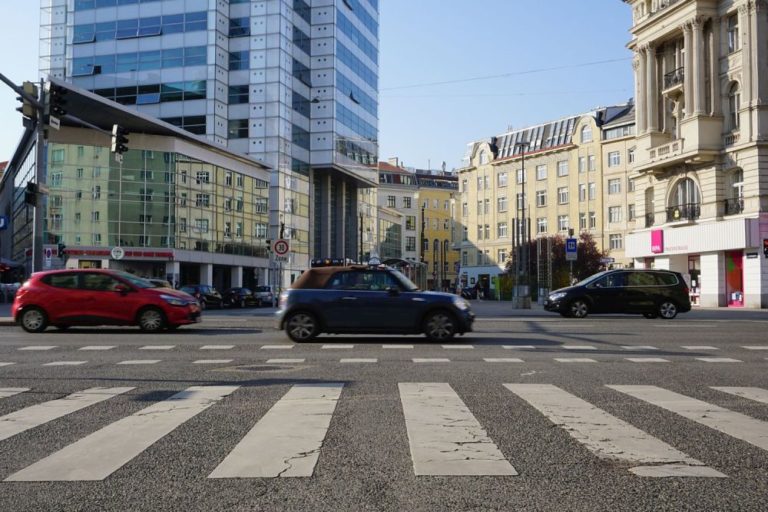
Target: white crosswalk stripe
<point>65,363</point>
<point>98,347</point>
<point>444,437</point>
<point>36,415</point>
<point>718,418</point>
<point>6,363</point>
<point>756,394</point>
<point>609,437</point>
<point>6,392</point>
<point>272,450</point>
<point>100,454</point>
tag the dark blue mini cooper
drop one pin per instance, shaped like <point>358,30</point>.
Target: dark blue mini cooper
<point>360,299</point>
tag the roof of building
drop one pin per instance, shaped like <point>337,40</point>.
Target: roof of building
<point>387,167</point>
<point>622,117</point>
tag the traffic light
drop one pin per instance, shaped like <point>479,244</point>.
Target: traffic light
<point>61,248</point>
<point>119,140</point>
<point>765,247</point>
<point>27,109</point>
<point>57,100</point>
<point>30,195</point>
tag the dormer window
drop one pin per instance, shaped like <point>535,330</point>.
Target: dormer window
<point>586,133</point>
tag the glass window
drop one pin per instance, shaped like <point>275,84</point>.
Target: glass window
<point>562,195</point>
<point>541,198</point>
<point>541,172</point>
<point>562,168</point>
<point>734,104</point>
<point>501,204</point>
<point>99,282</point>
<point>61,280</point>
<point>239,27</point>
<point>239,60</point>
<point>615,241</point>
<point>614,159</point>
<point>541,225</point>
<point>614,214</point>
<point>501,179</point>
<point>733,33</point>
<point>586,133</point>
<point>614,186</point>
<point>237,129</point>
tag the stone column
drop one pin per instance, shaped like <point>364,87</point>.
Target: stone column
<point>236,277</point>
<point>688,71</point>
<point>639,66</point>
<point>206,273</point>
<point>172,273</point>
<point>714,45</point>
<point>698,66</point>
<point>652,92</point>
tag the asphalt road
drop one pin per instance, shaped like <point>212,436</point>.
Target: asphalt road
<point>375,423</point>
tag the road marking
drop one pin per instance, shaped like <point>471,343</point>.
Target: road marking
<point>700,347</point>
<point>502,360</point>
<point>444,436</point>
<point>39,347</point>
<point>285,361</point>
<point>140,361</point>
<point>755,347</point>
<point>332,347</point>
<point>639,347</point>
<point>431,360</point>
<point>719,360</point>
<point>217,347</point>
<point>6,363</point>
<point>65,363</point>
<point>6,392</point>
<point>723,420</point>
<point>212,361</point>
<point>396,346</point>
<point>574,360</point>
<point>100,454</point>
<point>647,359</point>
<point>578,347</point>
<point>287,440</point>
<point>514,347</point>
<point>157,347</point>
<point>607,436</point>
<point>35,415</point>
<point>458,347</point>
<point>756,394</point>
<point>98,347</point>
<point>359,360</point>
<point>276,347</point>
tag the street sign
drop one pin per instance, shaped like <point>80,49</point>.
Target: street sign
<point>54,122</point>
<point>281,247</point>
<point>607,261</point>
<point>571,249</point>
<point>48,255</point>
<point>3,222</point>
<point>117,253</point>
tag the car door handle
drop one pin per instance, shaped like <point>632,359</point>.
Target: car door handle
<point>416,299</point>
<point>349,298</point>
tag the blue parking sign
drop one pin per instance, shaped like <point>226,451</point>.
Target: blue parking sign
<point>3,222</point>
<point>570,249</point>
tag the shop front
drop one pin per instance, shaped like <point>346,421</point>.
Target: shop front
<point>722,262</point>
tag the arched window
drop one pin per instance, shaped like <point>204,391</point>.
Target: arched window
<point>734,104</point>
<point>650,207</point>
<point>586,133</point>
<point>483,157</point>
<point>685,202</point>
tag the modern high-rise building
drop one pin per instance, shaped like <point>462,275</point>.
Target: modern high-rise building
<point>292,83</point>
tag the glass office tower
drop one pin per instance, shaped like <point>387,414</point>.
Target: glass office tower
<point>292,83</point>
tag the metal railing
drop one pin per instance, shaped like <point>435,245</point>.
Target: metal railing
<point>649,220</point>
<point>674,77</point>
<point>690,211</point>
<point>734,206</point>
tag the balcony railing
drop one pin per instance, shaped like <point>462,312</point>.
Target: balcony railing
<point>674,78</point>
<point>690,211</point>
<point>649,220</point>
<point>734,206</point>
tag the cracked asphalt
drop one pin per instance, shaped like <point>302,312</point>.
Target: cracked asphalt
<point>364,461</point>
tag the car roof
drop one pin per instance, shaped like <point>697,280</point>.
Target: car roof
<point>317,277</point>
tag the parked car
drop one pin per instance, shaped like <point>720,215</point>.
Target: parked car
<point>469,292</point>
<point>365,300</point>
<point>64,298</point>
<point>205,294</point>
<point>240,297</point>
<point>652,293</point>
<point>160,283</point>
<point>265,295</point>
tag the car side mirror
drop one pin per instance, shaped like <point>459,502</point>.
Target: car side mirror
<point>393,291</point>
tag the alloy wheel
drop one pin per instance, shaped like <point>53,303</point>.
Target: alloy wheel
<point>33,320</point>
<point>151,320</point>
<point>440,326</point>
<point>301,327</point>
<point>667,310</point>
<point>579,309</point>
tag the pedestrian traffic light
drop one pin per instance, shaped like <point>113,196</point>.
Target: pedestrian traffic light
<point>61,248</point>
<point>57,100</point>
<point>119,140</point>
<point>30,195</point>
<point>27,108</point>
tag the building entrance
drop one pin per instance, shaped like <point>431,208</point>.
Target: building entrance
<point>734,278</point>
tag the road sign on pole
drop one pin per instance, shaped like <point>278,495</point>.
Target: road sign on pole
<point>3,222</point>
<point>281,247</point>
<point>571,249</point>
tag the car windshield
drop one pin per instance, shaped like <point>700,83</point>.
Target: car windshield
<point>407,283</point>
<point>591,278</point>
<point>138,282</point>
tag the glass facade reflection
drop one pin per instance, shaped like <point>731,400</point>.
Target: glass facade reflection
<point>153,199</point>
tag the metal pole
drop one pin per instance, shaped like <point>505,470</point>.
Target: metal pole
<point>42,199</point>
<point>361,237</point>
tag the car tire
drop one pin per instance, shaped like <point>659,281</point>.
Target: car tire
<point>439,326</point>
<point>302,326</point>
<point>667,310</point>
<point>650,316</point>
<point>33,319</point>
<point>578,308</point>
<point>151,319</point>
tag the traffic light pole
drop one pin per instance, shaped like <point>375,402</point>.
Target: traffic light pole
<point>40,177</point>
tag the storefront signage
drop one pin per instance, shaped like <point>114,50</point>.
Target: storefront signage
<point>751,255</point>
<point>657,241</point>
<point>117,253</point>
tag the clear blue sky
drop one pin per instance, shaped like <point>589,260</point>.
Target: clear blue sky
<point>543,50</point>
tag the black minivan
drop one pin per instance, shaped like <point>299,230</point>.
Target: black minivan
<point>652,293</point>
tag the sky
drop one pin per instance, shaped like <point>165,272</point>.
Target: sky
<point>450,71</point>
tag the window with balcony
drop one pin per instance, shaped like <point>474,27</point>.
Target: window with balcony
<point>685,201</point>
<point>734,204</point>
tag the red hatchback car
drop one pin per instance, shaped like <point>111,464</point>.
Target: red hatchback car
<point>63,298</point>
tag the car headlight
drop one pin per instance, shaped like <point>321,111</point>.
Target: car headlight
<point>173,301</point>
<point>461,303</point>
<point>557,296</point>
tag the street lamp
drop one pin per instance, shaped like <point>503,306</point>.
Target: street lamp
<point>521,299</point>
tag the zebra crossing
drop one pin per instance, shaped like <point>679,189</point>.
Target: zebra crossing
<point>444,436</point>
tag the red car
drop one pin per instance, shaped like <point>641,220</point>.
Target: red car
<point>63,298</point>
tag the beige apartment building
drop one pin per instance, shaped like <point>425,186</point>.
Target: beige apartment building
<point>701,161</point>
<point>550,175</point>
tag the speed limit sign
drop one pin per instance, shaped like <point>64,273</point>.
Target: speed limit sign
<point>281,247</point>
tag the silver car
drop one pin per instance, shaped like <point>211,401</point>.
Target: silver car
<point>265,295</point>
